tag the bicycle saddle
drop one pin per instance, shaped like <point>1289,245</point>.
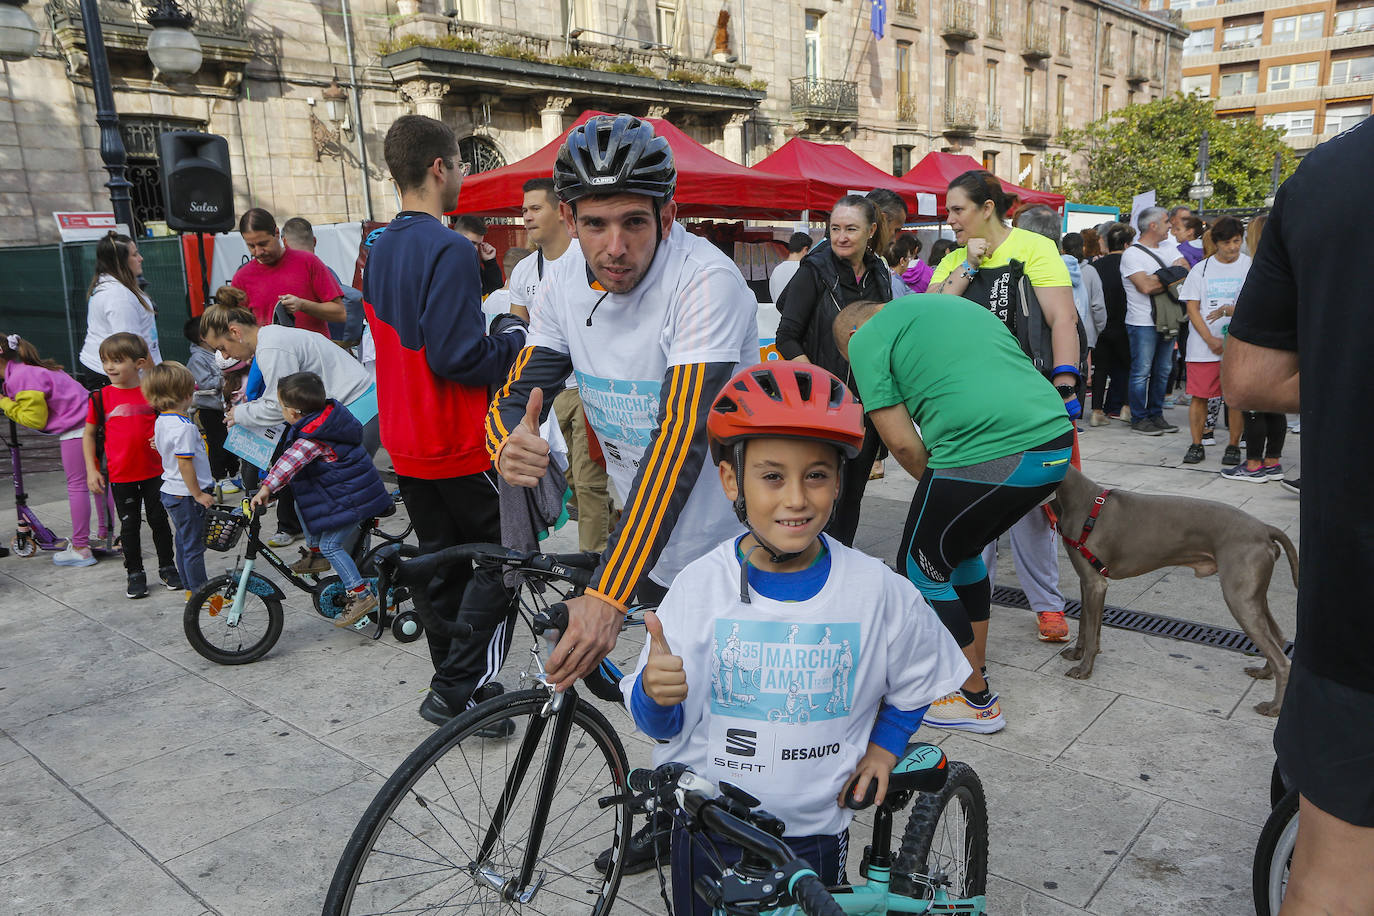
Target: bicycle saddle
<point>923,769</point>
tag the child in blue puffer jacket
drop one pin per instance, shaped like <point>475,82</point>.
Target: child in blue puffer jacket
<point>335,483</point>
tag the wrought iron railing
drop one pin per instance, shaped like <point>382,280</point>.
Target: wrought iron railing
<point>960,19</point>
<point>223,18</point>
<point>961,115</point>
<point>1036,126</point>
<point>840,97</point>
<point>907,107</point>
<point>1036,44</point>
<point>994,116</point>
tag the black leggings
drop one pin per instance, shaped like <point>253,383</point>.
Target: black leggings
<point>128,498</point>
<point>1264,435</point>
<point>957,511</point>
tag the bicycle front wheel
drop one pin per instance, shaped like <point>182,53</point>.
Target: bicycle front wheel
<point>946,840</point>
<point>207,626</point>
<point>419,847</point>
<point>1274,856</point>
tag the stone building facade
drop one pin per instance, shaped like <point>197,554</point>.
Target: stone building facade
<point>997,79</point>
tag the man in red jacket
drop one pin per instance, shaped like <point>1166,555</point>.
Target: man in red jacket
<point>422,291</point>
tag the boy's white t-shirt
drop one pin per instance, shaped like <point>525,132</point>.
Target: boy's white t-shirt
<point>753,669</point>
<point>1214,285</point>
<point>175,436</point>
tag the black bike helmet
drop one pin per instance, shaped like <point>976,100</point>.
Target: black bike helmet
<point>614,154</point>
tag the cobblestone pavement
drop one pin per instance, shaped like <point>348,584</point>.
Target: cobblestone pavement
<point>138,778</point>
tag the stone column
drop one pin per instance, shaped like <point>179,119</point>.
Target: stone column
<point>734,137</point>
<point>551,115</point>
<point>427,96</point>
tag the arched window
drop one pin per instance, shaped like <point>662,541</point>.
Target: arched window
<point>481,153</point>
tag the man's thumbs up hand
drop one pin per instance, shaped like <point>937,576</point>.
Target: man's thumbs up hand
<point>525,456</point>
<point>665,681</point>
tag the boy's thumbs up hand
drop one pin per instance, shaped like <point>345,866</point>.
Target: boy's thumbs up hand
<point>525,457</point>
<point>665,681</point>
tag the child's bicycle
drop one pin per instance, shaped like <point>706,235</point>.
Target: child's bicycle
<point>236,617</point>
<point>515,822</point>
<point>939,867</point>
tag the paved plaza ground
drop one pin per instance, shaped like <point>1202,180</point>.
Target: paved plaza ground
<point>138,778</point>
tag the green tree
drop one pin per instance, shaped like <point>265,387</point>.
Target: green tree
<point>1155,145</point>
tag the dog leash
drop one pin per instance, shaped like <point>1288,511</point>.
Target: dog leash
<point>1080,545</point>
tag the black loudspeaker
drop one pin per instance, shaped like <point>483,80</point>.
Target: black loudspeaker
<point>197,188</point>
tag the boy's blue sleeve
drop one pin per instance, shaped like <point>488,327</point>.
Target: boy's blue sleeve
<point>453,328</point>
<point>658,722</point>
<point>894,727</point>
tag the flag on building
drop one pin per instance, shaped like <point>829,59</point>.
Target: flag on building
<point>877,20</point>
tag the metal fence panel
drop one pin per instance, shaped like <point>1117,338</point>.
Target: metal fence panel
<point>45,294</point>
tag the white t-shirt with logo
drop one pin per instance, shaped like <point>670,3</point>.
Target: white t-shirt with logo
<point>175,436</point>
<point>1214,285</point>
<point>781,695</point>
<point>524,286</point>
<point>691,307</point>
<point>1134,261</point>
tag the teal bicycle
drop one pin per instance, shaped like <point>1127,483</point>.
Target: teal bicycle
<point>939,867</point>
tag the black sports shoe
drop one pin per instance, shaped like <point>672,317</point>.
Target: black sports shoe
<point>1230,456</point>
<point>1292,486</point>
<point>137,586</point>
<point>653,840</point>
<point>170,578</point>
<point>1146,427</point>
<point>1162,424</point>
<point>436,709</point>
<point>1194,455</point>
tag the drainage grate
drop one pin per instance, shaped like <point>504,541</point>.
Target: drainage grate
<point>1141,622</point>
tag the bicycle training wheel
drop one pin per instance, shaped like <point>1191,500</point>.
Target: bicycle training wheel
<point>417,848</point>
<point>946,839</point>
<point>1274,856</point>
<point>206,621</point>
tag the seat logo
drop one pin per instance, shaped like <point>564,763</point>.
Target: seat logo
<point>741,742</point>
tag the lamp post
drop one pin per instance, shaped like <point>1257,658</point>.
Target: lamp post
<point>172,48</point>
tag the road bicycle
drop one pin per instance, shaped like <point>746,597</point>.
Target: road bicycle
<point>940,865</point>
<point>468,821</point>
<point>236,617</point>
<point>1274,852</point>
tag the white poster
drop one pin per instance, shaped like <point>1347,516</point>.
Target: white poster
<point>1139,203</point>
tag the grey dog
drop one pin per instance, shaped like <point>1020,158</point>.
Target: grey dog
<point>1137,533</point>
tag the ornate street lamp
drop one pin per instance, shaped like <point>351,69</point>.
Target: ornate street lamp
<point>173,47</point>
<point>18,34</point>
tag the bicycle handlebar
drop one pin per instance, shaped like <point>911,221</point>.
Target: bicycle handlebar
<point>708,807</point>
<point>419,570</point>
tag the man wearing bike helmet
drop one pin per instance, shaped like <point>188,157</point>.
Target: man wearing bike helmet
<point>845,654</point>
<point>653,321</point>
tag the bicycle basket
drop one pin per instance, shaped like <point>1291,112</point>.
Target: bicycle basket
<point>223,527</point>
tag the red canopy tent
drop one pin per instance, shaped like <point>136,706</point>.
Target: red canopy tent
<point>831,171</point>
<point>933,174</point>
<point>707,185</point>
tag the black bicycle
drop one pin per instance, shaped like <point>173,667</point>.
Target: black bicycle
<point>468,821</point>
<point>1274,851</point>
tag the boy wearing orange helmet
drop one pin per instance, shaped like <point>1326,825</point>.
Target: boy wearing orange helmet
<point>782,661</point>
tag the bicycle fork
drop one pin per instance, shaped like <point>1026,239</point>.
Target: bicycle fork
<point>560,708</point>
<point>236,609</point>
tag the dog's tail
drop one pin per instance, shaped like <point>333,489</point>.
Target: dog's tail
<point>1283,541</point>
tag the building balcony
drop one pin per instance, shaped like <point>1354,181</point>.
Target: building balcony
<point>1137,73</point>
<point>1036,44</point>
<point>220,25</point>
<point>994,117</point>
<point>1035,129</point>
<point>907,6</point>
<point>994,26</point>
<point>834,101</point>
<point>961,117</point>
<point>1241,43</point>
<point>908,107</point>
<point>960,21</point>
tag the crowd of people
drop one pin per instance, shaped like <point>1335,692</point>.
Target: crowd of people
<point>739,484</point>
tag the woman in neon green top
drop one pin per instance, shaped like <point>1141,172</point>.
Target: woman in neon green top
<point>984,269</point>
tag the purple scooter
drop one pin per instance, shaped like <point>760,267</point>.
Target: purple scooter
<point>31,535</point>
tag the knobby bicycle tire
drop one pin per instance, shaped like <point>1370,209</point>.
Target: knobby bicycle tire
<point>435,837</point>
<point>239,645</point>
<point>1274,854</point>
<point>924,830</point>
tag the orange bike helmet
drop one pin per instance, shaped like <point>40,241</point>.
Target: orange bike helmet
<point>788,400</point>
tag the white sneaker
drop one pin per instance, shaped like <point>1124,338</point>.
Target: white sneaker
<point>228,487</point>
<point>74,556</point>
<point>956,712</point>
<point>283,539</point>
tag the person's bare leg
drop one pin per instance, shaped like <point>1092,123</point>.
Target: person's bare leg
<point>1197,418</point>
<point>977,655</point>
<point>1333,867</point>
